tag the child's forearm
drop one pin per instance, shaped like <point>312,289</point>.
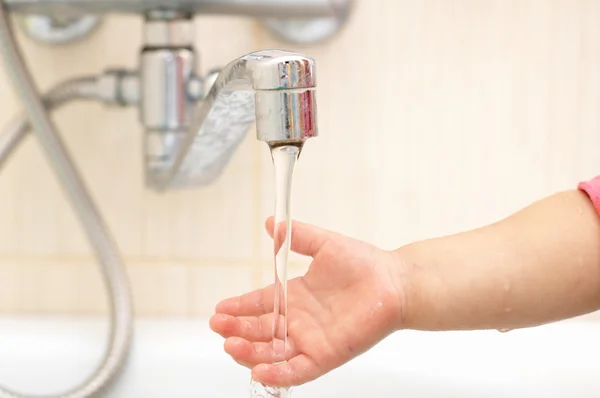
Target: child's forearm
<point>539,265</point>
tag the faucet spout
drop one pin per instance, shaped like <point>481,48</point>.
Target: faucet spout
<point>274,88</point>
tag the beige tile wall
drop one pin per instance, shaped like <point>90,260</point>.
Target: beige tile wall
<point>436,116</point>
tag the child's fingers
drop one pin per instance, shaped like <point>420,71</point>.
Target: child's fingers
<point>298,370</point>
<point>306,239</point>
<point>251,328</point>
<point>251,354</point>
<point>255,303</point>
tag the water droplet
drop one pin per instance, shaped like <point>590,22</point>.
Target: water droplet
<point>506,286</point>
<point>580,261</point>
<point>377,307</point>
<point>504,330</point>
<point>579,210</point>
<point>508,309</point>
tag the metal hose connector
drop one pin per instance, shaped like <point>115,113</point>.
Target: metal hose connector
<point>104,247</point>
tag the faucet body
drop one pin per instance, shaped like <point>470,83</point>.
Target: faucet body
<point>193,125</point>
<point>275,89</point>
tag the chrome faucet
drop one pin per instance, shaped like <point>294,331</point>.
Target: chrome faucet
<point>189,145</point>
<point>192,124</point>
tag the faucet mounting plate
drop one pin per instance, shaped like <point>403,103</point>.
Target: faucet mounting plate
<point>304,31</point>
<point>54,30</point>
<point>311,30</point>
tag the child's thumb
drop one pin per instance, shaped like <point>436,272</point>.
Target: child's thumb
<point>306,239</point>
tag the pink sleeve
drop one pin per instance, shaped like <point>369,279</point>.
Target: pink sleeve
<point>592,189</point>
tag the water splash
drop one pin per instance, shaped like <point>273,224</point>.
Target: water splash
<point>259,390</point>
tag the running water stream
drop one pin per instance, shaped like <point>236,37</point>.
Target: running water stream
<point>284,162</point>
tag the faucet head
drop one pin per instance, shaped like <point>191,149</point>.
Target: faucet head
<point>284,93</point>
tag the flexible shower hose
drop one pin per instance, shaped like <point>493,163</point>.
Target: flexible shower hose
<point>76,89</point>
<point>103,245</point>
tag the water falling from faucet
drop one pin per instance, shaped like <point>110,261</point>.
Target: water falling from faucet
<point>284,162</point>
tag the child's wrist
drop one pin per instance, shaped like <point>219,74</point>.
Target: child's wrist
<point>413,281</point>
<point>426,294</point>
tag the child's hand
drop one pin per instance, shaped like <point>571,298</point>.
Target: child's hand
<point>515,273</point>
<point>347,302</point>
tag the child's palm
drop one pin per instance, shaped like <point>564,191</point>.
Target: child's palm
<point>345,304</point>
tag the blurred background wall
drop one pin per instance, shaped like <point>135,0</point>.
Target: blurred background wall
<point>435,116</point>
